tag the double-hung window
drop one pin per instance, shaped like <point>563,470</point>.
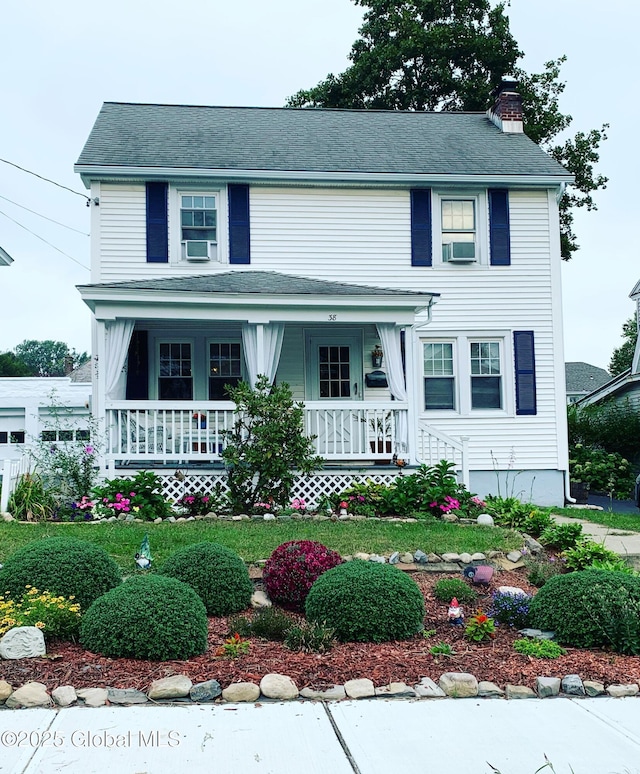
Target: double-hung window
<point>486,375</point>
<point>199,226</point>
<point>175,377</point>
<point>459,229</point>
<point>225,368</point>
<point>439,377</point>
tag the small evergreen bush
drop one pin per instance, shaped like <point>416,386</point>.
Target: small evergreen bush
<point>63,566</point>
<point>446,589</point>
<point>538,648</point>
<point>510,609</point>
<point>591,609</point>
<point>310,637</point>
<point>366,602</point>
<point>147,617</point>
<point>293,568</point>
<point>269,623</point>
<point>217,574</point>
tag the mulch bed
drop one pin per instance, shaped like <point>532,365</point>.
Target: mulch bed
<point>406,661</point>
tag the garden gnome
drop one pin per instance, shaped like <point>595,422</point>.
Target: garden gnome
<point>456,616</point>
<point>143,557</point>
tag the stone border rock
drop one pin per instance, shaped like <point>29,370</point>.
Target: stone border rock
<point>178,689</point>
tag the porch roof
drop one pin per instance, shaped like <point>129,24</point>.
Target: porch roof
<point>255,295</point>
<point>254,282</point>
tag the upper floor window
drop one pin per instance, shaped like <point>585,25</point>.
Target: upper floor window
<point>199,226</point>
<point>175,378</point>
<point>486,375</point>
<point>439,378</point>
<point>458,221</point>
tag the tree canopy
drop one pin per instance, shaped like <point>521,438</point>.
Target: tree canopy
<point>10,365</point>
<point>450,55</point>
<point>49,358</point>
<point>622,357</point>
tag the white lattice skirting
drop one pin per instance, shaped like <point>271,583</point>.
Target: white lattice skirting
<point>310,488</point>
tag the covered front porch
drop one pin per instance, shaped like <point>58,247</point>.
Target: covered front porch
<point>166,350</point>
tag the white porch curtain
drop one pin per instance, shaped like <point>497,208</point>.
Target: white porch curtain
<point>262,345</point>
<point>390,340</point>
<point>118,337</point>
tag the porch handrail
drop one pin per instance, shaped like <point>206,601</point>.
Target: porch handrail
<point>434,445</point>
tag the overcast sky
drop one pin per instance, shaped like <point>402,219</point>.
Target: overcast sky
<point>61,61</point>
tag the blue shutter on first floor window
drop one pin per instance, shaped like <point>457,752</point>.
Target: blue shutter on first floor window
<point>157,227</point>
<point>499,236</point>
<point>421,227</point>
<point>525,372</point>
<point>239,230</point>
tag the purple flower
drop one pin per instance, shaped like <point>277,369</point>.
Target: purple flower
<point>88,449</point>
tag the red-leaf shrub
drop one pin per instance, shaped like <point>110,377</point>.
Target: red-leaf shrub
<point>293,568</point>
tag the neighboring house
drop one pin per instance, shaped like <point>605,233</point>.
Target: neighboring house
<point>26,410</point>
<point>400,270</point>
<point>624,387</point>
<point>582,378</point>
<point>5,258</point>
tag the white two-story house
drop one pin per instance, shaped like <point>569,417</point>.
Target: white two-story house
<point>399,270</point>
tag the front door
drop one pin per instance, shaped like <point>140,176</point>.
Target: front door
<point>334,367</point>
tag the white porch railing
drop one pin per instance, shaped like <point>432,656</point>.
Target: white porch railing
<point>434,445</point>
<point>151,431</point>
<point>146,431</point>
<point>11,472</point>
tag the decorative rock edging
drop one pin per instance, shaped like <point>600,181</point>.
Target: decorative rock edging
<point>276,687</point>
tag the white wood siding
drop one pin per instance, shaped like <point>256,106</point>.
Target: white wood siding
<point>363,236</point>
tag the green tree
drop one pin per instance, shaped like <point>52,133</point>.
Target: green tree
<point>622,357</point>
<point>267,447</point>
<point>10,365</point>
<point>450,55</point>
<point>49,358</point>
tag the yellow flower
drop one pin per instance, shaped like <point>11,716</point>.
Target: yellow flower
<point>39,624</point>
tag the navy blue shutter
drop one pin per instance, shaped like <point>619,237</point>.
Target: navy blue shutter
<point>138,367</point>
<point>239,230</point>
<point>157,228</point>
<point>499,237</point>
<point>421,227</point>
<point>525,371</point>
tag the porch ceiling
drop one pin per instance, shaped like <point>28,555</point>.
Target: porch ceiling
<point>254,295</point>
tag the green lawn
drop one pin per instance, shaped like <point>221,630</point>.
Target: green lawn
<point>253,541</point>
<point>629,522</point>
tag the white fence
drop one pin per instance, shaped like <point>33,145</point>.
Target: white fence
<point>11,472</point>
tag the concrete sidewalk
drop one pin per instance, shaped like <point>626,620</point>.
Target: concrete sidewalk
<point>623,542</point>
<point>456,736</point>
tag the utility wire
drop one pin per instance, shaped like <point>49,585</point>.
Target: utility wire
<point>44,240</point>
<point>46,179</point>
<point>51,220</point>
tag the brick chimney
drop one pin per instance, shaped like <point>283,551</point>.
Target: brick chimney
<point>506,112</point>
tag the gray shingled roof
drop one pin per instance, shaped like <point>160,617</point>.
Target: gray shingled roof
<point>289,139</point>
<point>636,289</point>
<point>582,377</point>
<point>258,282</point>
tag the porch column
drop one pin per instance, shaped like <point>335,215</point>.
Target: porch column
<point>413,393</point>
<point>99,403</point>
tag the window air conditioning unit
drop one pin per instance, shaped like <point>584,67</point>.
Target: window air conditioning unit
<point>199,251</point>
<point>459,252</point>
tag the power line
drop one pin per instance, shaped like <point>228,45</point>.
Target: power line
<point>51,220</point>
<point>44,240</point>
<point>46,179</point>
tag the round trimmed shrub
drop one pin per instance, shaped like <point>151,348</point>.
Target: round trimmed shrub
<point>592,608</point>
<point>446,589</point>
<point>147,617</point>
<point>366,602</point>
<point>216,573</point>
<point>64,566</point>
<point>293,568</point>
